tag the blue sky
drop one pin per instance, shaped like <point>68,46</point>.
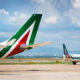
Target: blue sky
<point>60,22</point>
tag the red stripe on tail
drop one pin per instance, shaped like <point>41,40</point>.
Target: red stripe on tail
<point>17,48</point>
<point>68,56</point>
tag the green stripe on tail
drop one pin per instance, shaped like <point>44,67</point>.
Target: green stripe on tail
<point>34,18</point>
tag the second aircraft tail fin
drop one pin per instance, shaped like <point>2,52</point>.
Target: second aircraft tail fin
<point>66,52</point>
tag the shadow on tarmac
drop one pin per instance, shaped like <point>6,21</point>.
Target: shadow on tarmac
<point>24,70</point>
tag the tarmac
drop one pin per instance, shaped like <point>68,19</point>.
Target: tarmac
<point>40,72</point>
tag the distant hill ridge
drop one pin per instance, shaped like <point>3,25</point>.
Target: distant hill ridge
<point>44,52</point>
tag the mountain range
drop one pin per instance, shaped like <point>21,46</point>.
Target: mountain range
<point>44,52</point>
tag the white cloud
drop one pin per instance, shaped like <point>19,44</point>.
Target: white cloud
<point>58,35</point>
<point>74,12</point>
<point>64,2</point>
<point>18,18</point>
<point>51,19</point>
<point>76,36</point>
<point>48,10</point>
<point>44,36</point>
<point>39,1</point>
<point>75,16</point>
<point>76,3</point>
<point>5,34</point>
<point>3,11</point>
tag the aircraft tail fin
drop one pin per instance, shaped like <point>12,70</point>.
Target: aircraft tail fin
<point>25,36</point>
<point>28,31</point>
<point>66,52</point>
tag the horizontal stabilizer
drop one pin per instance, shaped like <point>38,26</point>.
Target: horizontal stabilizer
<point>35,45</point>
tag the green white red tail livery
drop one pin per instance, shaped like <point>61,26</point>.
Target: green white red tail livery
<point>23,39</point>
<point>67,55</point>
<point>70,57</point>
